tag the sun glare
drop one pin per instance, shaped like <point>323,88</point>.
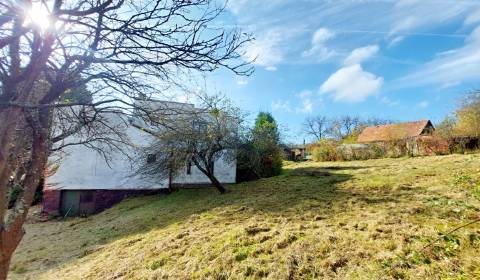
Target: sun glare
<point>39,16</point>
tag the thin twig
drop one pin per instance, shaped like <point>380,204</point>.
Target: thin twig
<point>450,232</point>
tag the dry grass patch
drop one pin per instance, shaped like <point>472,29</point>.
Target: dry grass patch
<point>342,220</point>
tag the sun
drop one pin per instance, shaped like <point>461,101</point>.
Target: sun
<point>38,16</point>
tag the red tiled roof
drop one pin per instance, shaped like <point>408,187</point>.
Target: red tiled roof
<point>391,132</point>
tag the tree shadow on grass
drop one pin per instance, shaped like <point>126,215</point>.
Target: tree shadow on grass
<point>337,168</point>
<point>300,190</point>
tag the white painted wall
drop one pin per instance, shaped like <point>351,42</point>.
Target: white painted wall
<point>82,168</point>
<point>224,171</point>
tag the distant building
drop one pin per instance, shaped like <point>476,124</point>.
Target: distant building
<point>407,138</point>
<point>295,153</point>
<point>85,183</point>
<point>398,131</point>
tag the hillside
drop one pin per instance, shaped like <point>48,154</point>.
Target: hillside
<point>353,220</point>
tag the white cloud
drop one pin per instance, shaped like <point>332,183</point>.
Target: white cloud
<point>318,47</point>
<point>321,36</point>
<point>473,18</point>
<point>355,23</point>
<point>304,94</point>
<point>307,106</point>
<point>281,106</point>
<point>241,81</point>
<point>449,68</point>
<point>351,84</point>
<point>388,101</point>
<point>414,15</point>
<point>265,50</point>
<point>236,6</point>
<point>423,104</point>
<point>359,55</point>
<point>395,41</point>
<point>282,38</point>
<point>249,6</point>
<point>306,102</point>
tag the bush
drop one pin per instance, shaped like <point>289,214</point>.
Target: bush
<point>324,151</point>
<point>434,145</point>
<point>327,150</point>
<point>398,148</point>
<point>272,165</point>
<point>246,165</point>
<point>260,156</point>
<point>460,145</point>
<point>360,152</point>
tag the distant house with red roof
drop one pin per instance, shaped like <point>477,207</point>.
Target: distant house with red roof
<point>398,131</point>
<point>407,138</point>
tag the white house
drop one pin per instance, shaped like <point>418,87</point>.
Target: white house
<point>85,183</point>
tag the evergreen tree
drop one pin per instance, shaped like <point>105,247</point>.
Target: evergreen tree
<point>260,156</point>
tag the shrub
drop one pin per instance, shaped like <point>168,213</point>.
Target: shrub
<point>328,150</point>
<point>360,152</point>
<point>324,150</point>
<point>398,148</point>
<point>377,151</point>
<point>260,156</point>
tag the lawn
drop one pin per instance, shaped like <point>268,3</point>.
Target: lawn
<point>339,220</point>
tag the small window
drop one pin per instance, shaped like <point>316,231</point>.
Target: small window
<point>151,158</point>
<point>189,167</point>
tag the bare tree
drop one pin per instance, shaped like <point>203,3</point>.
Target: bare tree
<point>339,128</point>
<point>374,121</point>
<point>344,126</point>
<point>199,138</point>
<point>318,127</point>
<point>350,124</point>
<point>122,51</point>
<point>91,127</point>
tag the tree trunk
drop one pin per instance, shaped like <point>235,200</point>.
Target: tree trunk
<point>209,173</point>
<point>217,184</point>
<point>170,180</point>
<point>10,118</point>
<point>11,231</point>
<point>4,265</point>
<point>10,238</point>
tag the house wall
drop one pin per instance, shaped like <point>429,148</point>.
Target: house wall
<point>100,200</point>
<point>51,201</point>
<point>83,169</point>
<point>224,170</point>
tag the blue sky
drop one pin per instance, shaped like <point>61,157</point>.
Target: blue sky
<point>396,59</point>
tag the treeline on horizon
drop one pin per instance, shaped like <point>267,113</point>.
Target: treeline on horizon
<point>464,121</point>
<point>345,128</point>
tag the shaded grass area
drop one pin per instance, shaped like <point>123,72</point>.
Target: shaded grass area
<point>352,220</point>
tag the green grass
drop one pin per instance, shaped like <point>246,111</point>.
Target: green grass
<point>352,220</point>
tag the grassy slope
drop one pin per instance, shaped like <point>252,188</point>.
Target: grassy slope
<point>366,220</point>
